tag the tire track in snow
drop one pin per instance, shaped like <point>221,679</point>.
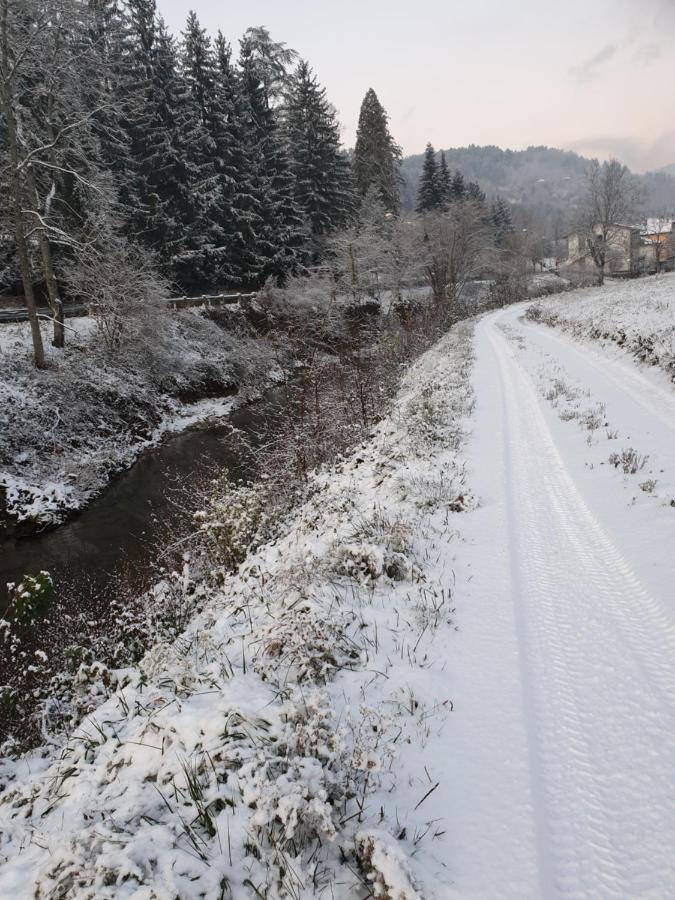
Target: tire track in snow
<point>599,660</point>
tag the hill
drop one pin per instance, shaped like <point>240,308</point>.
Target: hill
<point>544,178</point>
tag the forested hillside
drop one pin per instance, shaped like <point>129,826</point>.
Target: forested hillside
<point>548,180</point>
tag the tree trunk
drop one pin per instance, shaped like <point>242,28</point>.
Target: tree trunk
<point>26,276</point>
<point>48,272</point>
<point>17,193</point>
<point>52,289</point>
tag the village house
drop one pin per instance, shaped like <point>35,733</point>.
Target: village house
<point>658,241</point>
<point>632,250</point>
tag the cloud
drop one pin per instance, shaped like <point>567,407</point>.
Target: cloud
<point>640,156</point>
<point>646,54</point>
<point>590,68</point>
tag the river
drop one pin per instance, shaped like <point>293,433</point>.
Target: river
<point>118,535</point>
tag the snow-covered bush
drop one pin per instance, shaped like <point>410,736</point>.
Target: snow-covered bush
<point>122,286</point>
<point>384,866</point>
<point>234,521</point>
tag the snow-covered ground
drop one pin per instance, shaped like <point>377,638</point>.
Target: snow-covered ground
<point>565,738</point>
<point>444,679</point>
<point>637,315</point>
<point>293,740</point>
<point>66,430</point>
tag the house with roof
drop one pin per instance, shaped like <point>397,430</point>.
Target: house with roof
<point>624,245</point>
<point>631,250</point>
<point>658,242</point>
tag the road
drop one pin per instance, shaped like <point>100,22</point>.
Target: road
<point>565,736</point>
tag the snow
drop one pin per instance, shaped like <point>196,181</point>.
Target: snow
<point>565,736</point>
<point>637,315</point>
<point>93,414</point>
<point>451,675</point>
<point>264,747</point>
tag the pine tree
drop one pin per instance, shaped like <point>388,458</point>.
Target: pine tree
<point>201,262</point>
<point>444,180</point>
<point>156,146</point>
<point>458,192</point>
<point>114,90</point>
<point>475,194</point>
<point>281,237</point>
<point>323,188</point>
<point>241,206</point>
<point>376,155</point>
<point>429,196</point>
<point>272,60</point>
<point>502,222</point>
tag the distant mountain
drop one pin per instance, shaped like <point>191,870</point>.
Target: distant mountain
<point>548,180</point>
<point>667,170</point>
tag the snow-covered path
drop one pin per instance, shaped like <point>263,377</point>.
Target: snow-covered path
<point>565,730</point>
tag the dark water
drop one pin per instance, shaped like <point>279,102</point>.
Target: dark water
<point>120,532</point>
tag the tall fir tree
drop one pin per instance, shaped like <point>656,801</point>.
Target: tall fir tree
<point>444,180</point>
<point>158,135</point>
<point>241,205</point>
<point>376,155</point>
<point>429,196</point>
<point>323,183</point>
<point>113,88</point>
<point>281,237</point>
<point>475,193</point>
<point>202,261</point>
<point>458,191</point>
<point>502,221</point>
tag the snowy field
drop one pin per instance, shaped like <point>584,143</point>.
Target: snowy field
<point>637,315</point>
<point>291,742</point>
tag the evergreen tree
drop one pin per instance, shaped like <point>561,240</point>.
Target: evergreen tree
<point>113,89</point>
<point>323,188</point>
<point>444,180</point>
<point>205,143</point>
<point>272,60</point>
<point>501,220</point>
<point>376,155</point>
<point>458,191</point>
<point>429,196</point>
<point>156,141</point>
<point>281,237</point>
<point>241,206</point>
<point>474,193</point>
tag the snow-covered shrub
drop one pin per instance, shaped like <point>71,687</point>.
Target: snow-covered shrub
<point>122,286</point>
<point>235,520</point>
<point>361,561</point>
<point>306,309</point>
<point>384,866</point>
<point>31,598</point>
<point>304,645</point>
<point>445,490</point>
<point>629,460</point>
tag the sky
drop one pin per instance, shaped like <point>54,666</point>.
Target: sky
<point>595,76</point>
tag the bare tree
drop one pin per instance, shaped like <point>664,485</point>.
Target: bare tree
<point>19,37</point>
<point>457,246</point>
<point>120,283</point>
<point>611,197</point>
<point>359,253</point>
<point>51,89</point>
